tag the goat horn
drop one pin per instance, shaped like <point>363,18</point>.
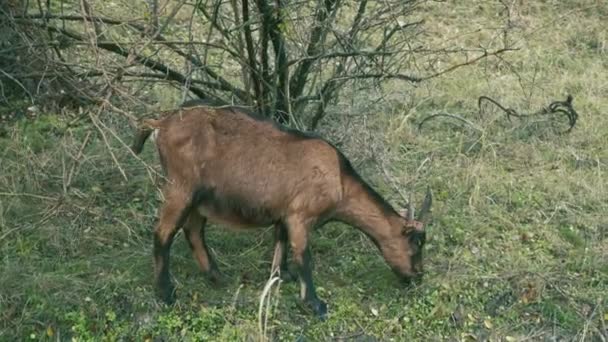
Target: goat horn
<point>410,209</point>
<point>426,205</point>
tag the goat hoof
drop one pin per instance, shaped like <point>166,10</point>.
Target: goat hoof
<point>214,277</point>
<point>167,295</point>
<point>320,309</point>
<point>288,276</point>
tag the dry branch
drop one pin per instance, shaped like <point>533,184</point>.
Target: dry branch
<point>295,57</point>
<point>145,61</point>
<point>158,38</point>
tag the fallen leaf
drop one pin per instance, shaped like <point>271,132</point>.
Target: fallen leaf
<point>374,312</point>
<point>487,323</point>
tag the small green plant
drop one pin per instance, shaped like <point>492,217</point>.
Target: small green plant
<point>516,249</point>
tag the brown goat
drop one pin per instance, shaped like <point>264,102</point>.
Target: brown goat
<point>230,167</point>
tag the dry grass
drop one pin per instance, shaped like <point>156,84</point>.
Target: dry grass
<point>517,249</point>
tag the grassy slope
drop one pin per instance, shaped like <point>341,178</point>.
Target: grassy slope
<point>517,248</point>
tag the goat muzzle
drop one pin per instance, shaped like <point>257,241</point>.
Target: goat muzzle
<point>413,279</point>
<point>409,278</point>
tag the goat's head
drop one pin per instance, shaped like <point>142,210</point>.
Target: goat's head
<point>405,252</point>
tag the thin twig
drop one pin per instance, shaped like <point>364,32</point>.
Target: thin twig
<point>19,84</point>
<point>16,194</point>
<point>95,122</point>
<point>453,116</point>
<point>77,160</point>
<point>564,108</point>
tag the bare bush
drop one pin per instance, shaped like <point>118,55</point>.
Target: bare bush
<point>285,59</point>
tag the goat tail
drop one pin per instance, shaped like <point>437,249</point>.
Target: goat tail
<point>143,133</point>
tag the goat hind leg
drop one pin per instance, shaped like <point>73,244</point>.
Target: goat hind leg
<point>194,232</point>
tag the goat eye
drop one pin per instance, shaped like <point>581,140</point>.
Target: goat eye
<point>419,241</point>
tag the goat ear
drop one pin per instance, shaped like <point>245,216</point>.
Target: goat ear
<point>410,210</point>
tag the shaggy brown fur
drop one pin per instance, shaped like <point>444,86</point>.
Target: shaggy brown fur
<point>226,166</point>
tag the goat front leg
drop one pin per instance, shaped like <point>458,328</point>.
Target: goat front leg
<point>194,232</point>
<point>172,215</point>
<point>298,238</point>
<point>279,259</point>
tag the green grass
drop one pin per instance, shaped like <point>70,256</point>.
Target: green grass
<point>517,248</point>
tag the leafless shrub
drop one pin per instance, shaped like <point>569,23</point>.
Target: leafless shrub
<point>285,59</point>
